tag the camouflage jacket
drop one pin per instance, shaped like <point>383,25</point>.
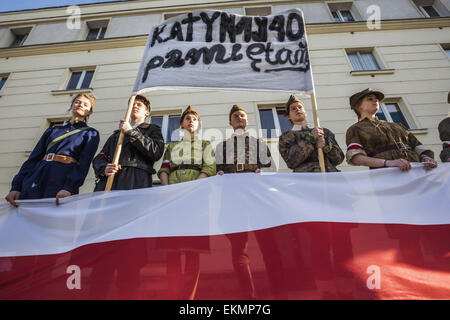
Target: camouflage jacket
<point>299,151</point>
<point>243,149</point>
<point>367,137</point>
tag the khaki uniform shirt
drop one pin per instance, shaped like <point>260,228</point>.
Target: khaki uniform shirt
<point>243,149</point>
<point>188,152</point>
<point>299,151</point>
<point>367,136</point>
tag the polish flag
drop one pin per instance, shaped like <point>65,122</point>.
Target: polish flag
<point>373,234</point>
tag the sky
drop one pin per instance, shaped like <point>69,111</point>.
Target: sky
<point>13,5</point>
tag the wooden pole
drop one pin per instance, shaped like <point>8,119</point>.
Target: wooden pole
<point>110,180</point>
<point>316,124</point>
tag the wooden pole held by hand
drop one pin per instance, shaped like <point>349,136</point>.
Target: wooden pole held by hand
<point>110,180</point>
<point>316,124</point>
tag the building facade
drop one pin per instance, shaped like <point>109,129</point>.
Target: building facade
<point>400,47</point>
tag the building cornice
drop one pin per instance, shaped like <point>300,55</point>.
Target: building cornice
<point>112,9</point>
<point>140,40</point>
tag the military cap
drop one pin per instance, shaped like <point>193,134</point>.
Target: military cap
<point>293,99</point>
<point>357,97</point>
<point>189,110</point>
<point>236,108</point>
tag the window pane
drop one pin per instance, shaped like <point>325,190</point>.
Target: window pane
<point>258,11</point>
<point>347,15</point>
<point>369,61</point>
<point>267,123</point>
<point>336,16</point>
<point>2,82</point>
<point>174,124</point>
<point>380,115</point>
<point>432,13</point>
<point>354,59</point>
<point>74,80</point>
<point>447,51</point>
<point>18,40</point>
<point>396,114</point>
<point>102,33</point>
<point>285,124</point>
<point>92,35</point>
<point>87,79</point>
<point>157,121</point>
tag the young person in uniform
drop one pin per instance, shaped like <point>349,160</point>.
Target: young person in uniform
<point>298,146</point>
<point>59,163</point>
<point>186,160</point>
<point>143,145</point>
<point>377,143</point>
<point>239,154</point>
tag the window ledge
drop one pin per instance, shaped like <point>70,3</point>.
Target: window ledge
<point>371,72</point>
<point>419,131</point>
<point>71,92</point>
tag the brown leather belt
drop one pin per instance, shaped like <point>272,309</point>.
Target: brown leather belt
<point>240,167</point>
<point>395,146</point>
<point>59,158</point>
<point>188,166</point>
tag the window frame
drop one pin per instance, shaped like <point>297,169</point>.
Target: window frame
<point>6,77</point>
<point>15,32</point>
<point>97,37</point>
<point>361,60</point>
<point>81,80</point>
<point>258,7</point>
<point>340,16</point>
<point>172,14</point>
<point>406,115</point>
<point>165,122</point>
<point>425,12</point>
<point>88,25</point>
<point>445,47</point>
<point>274,108</point>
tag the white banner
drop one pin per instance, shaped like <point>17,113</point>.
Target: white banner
<point>227,204</point>
<point>211,49</point>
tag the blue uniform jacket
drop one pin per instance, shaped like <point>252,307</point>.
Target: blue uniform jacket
<point>38,178</point>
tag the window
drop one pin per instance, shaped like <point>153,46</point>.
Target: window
<point>343,11</point>
<point>391,111</point>
<point>171,15</point>
<point>429,12</point>
<point>258,11</point>
<point>57,122</point>
<point>362,60</point>
<point>80,79</point>
<point>273,122</point>
<point>96,29</point>
<point>97,33</point>
<point>19,36</point>
<point>169,124</point>
<point>2,82</point>
<point>447,51</point>
<point>342,16</point>
<point>446,48</point>
<point>427,8</point>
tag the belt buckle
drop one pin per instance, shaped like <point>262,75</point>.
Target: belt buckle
<point>240,167</point>
<point>49,157</point>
